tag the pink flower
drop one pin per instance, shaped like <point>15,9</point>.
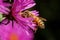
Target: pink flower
<point>18,28</point>
<point>21,5</point>
<point>3,7</point>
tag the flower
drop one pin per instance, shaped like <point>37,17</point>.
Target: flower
<point>17,27</point>
<point>3,7</point>
<point>19,6</point>
<point>23,4</point>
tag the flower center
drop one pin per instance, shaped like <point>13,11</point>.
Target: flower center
<point>13,37</point>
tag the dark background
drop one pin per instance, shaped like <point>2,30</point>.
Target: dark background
<point>49,9</point>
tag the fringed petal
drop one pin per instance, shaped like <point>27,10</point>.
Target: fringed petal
<point>23,34</point>
<point>35,12</point>
<point>23,5</point>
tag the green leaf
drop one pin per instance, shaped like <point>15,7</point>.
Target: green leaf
<point>1,17</point>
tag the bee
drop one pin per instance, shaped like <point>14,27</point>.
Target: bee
<point>37,20</point>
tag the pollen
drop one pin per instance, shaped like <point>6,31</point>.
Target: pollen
<point>13,37</point>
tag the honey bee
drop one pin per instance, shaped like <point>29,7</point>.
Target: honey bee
<point>37,20</point>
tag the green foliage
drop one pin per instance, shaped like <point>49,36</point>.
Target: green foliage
<point>1,17</point>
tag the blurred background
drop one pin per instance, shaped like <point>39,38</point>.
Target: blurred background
<point>49,9</point>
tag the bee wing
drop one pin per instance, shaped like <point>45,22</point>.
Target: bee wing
<point>43,19</point>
